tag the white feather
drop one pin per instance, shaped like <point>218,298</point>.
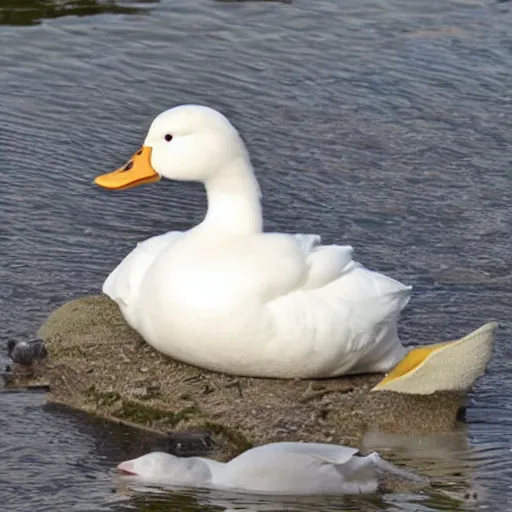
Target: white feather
<point>227,297</point>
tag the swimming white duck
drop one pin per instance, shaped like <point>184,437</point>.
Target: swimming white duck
<point>227,297</point>
<point>277,468</point>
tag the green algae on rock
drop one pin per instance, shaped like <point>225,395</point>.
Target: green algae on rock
<point>98,364</point>
<point>32,12</point>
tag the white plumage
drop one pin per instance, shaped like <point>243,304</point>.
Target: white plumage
<point>228,297</point>
<point>276,468</point>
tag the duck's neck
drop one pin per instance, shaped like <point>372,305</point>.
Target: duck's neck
<point>234,200</point>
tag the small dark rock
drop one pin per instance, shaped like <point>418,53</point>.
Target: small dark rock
<point>189,444</point>
<point>462,414</point>
<point>26,352</point>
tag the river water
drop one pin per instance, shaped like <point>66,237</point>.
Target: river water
<point>386,124</point>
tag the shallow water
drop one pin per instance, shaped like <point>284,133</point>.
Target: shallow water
<point>386,124</point>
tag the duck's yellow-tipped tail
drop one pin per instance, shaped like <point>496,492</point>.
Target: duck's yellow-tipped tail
<point>448,366</point>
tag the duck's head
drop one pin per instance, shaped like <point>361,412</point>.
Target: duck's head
<point>188,142</point>
<point>166,468</point>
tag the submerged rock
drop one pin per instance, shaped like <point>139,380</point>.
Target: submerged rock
<point>101,366</point>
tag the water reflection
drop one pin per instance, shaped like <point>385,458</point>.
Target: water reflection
<point>452,465</point>
<point>448,461</point>
<point>32,12</point>
<point>145,499</point>
<point>77,455</point>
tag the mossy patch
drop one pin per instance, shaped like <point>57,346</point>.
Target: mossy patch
<point>139,413</point>
<point>102,398</point>
<point>231,434</point>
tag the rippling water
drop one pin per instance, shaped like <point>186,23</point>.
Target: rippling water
<point>386,124</point>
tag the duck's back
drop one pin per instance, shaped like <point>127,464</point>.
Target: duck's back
<point>299,468</point>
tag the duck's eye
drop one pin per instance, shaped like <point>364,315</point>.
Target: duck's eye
<point>168,137</point>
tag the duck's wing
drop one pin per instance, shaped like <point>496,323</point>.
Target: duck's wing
<point>122,285</point>
<point>340,468</point>
<point>325,263</point>
<point>341,315</point>
<point>334,453</point>
<point>300,468</point>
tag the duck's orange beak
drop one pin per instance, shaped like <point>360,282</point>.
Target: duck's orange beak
<point>137,171</point>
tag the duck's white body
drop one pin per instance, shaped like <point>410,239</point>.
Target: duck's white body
<point>227,297</point>
<point>277,468</point>
<point>265,305</point>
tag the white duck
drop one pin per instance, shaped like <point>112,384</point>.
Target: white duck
<point>277,468</point>
<point>230,298</point>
